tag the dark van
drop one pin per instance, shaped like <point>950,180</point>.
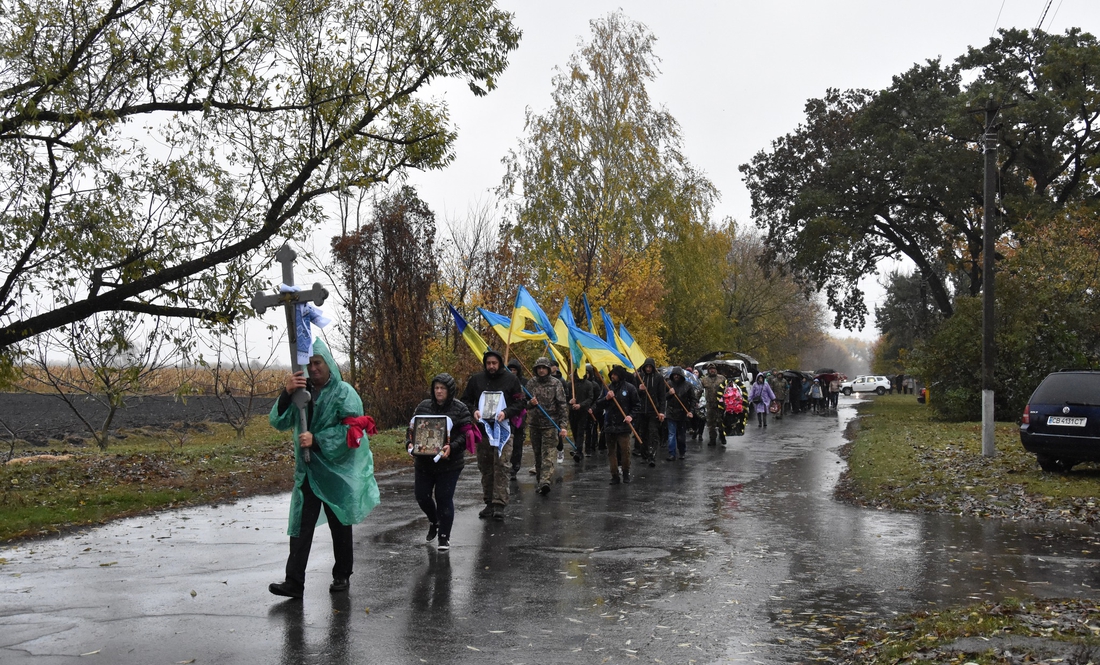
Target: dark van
<point>1061,422</point>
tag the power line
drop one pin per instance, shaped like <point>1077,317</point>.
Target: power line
<point>1055,14</point>
<point>995,23</point>
<point>1039,25</point>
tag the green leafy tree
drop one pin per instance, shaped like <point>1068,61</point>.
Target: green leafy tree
<point>600,180</point>
<point>1048,299</point>
<point>871,175</point>
<point>907,315</point>
<point>151,148</point>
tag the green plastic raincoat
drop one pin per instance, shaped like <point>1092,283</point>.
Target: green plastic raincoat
<point>340,476</point>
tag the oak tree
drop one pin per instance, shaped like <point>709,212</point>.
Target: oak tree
<point>898,172</point>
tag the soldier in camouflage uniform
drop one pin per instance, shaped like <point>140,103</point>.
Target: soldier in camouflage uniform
<point>547,392</point>
<point>711,383</point>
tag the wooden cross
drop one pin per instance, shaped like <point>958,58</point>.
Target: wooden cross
<point>261,301</point>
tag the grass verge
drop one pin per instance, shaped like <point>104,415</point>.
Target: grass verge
<point>902,459</point>
<point>152,470</point>
<point>1007,633</point>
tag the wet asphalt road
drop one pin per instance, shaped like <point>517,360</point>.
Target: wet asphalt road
<point>736,555</point>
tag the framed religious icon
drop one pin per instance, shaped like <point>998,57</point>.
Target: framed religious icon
<point>490,404</point>
<point>429,435</point>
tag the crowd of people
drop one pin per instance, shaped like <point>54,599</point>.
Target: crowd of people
<point>646,414</point>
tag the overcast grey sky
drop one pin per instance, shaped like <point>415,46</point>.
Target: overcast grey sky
<point>736,75</point>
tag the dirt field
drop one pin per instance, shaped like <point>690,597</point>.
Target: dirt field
<point>38,418</point>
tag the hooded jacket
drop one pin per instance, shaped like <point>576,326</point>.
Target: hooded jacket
<point>341,476</point>
<point>460,417</point>
<point>502,380</point>
<point>684,396</point>
<point>655,386</point>
<point>627,397</point>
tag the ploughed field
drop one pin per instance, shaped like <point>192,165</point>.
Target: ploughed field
<point>39,418</point>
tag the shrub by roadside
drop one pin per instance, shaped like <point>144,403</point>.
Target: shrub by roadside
<point>901,459</point>
<point>153,470</point>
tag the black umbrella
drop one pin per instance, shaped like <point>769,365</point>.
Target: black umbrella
<point>711,356</point>
<point>827,370</point>
<point>790,374</point>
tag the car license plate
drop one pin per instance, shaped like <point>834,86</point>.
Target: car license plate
<point>1068,422</point>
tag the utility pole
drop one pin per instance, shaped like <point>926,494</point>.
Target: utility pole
<point>989,250</point>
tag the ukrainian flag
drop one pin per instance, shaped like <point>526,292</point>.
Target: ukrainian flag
<point>601,354</point>
<point>477,344</point>
<point>502,325</point>
<point>608,327</point>
<point>562,362</point>
<point>565,320</point>
<point>576,354</point>
<point>630,347</point>
<point>527,309</point>
<point>588,313</point>
<point>561,328</point>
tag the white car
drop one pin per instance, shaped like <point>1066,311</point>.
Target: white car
<point>866,384</point>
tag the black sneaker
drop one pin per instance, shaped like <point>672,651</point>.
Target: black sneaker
<point>615,480</point>
<point>444,543</point>
<point>339,584</point>
<point>626,477</point>
<point>486,512</point>
<point>670,458</point>
<point>652,462</point>
<point>544,490</point>
<point>432,530</point>
<point>498,513</point>
<point>286,588</point>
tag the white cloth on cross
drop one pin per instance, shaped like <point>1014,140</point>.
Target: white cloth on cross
<point>305,314</point>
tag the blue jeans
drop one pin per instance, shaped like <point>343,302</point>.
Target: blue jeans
<point>677,436</point>
<point>441,509</point>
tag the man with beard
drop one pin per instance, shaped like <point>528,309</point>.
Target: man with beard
<point>547,392</point>
<point>651,409</point>
<point>493,463</point>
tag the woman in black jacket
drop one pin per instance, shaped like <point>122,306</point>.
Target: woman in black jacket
<point>439,477</point>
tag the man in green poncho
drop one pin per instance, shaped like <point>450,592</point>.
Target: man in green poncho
<point>338,477</point>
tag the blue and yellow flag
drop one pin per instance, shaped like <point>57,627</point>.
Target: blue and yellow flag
<point>601,354</point>
<point>502,326</point>
<point>608,328</point>
<point>577,355</point>
<point>561,326</point>
<point>477,344</point>
<point>630,348</point>
<point>588,313</point>
<point>562,362</point>
<point>527,309</point>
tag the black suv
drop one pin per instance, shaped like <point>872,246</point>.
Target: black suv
<point>1061,422</point>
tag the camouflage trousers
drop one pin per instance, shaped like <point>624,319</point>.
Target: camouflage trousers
<point>495,470</point>
<point>544,445</point>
